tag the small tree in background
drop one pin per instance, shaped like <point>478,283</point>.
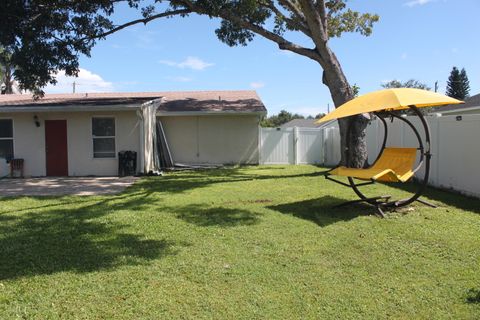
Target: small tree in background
<point>356,90</point>
<point>412,83</point>
<point>465,83</point>
<point>6,73</point>
<point>458,86</point>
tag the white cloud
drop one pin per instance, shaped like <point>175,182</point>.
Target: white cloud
<point>168,63</point>
<point>404,56</point>
<point>414,3</point>
<point>257,85</point>
<point>86,81</point>
<point>193,63</point>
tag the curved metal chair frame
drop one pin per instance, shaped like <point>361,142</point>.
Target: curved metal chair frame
<point>384,202</point>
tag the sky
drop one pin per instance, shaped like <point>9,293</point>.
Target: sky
<point>419,39</point>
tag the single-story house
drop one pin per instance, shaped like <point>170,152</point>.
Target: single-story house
<point>307,123</point>
<point>301,123</point>
<point>471,106</point>
<point>81,134</point>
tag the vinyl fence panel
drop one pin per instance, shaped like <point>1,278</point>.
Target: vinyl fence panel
<point>459,153</point>
<point>309,146</point>
<point>332,146</point>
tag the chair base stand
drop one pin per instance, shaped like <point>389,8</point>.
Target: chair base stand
<point>427,203</point>
<point>380,203</point>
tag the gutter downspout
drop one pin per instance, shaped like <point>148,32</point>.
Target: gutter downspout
<point>142,141</point>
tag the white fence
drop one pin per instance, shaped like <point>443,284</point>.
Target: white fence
<point>455,147</point>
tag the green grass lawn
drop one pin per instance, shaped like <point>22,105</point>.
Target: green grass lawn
<point>243,243</point>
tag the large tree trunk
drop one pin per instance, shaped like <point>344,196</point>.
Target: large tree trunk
<point>7,80</point>
<point>352,129</point>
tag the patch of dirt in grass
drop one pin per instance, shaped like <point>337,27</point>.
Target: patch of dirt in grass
<point>249,201</point>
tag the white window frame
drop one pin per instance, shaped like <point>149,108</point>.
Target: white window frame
<point>13,136</point>
<point>114,137</point>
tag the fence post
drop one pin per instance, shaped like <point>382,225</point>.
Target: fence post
<point>324,145</point>
<point>438,147</point>
<point>260,144</point>
<point>295,145</point>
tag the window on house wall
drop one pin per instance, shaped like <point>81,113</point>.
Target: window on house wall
<point>103,133</point>
<point>6,138</point>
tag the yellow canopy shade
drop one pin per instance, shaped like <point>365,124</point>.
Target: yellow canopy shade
<point>388,100</point>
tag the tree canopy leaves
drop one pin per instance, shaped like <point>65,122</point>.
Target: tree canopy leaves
<point>46,36</point>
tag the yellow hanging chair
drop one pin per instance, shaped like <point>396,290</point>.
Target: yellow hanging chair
<point>393,164</point>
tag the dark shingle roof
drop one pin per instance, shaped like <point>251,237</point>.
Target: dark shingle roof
<point>212,101</point>
<point>194,101</point>
<point>301,123</point>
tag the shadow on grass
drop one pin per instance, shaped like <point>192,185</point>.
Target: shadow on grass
<point>217,216</point>
<point>449,197</point>
<point>189,180</point>
<point>321,211</point>
<point>473,296</point>
<point>57,239</point>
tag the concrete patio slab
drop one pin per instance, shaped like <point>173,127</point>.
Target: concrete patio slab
<point>82,186</point>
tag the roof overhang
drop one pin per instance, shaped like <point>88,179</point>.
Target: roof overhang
<point>97,105</point>
<point>82,108</point>
<point>209,113</point>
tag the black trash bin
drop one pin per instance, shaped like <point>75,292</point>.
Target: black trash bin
<point>127,163</point>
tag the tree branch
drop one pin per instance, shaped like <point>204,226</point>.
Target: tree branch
<point>144,21</point>
<point>323,15</point>
<point>283,44</point>
<point>288,4</point>
<point>298,23</point>
<point>314,23</point>
<point>190,7</point>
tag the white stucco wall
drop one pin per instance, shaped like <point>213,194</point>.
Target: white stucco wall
<point>214,139</point>
<point>29,141</point>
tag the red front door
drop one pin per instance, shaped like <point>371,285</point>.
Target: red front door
<point>56,147</point>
